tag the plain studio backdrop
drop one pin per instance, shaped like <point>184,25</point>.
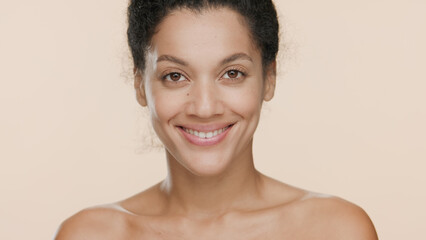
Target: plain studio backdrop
<point>348,117</point>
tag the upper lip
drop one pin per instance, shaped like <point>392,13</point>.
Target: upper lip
<point>206,127</point>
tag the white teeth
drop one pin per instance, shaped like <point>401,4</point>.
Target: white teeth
<point>205,134</point>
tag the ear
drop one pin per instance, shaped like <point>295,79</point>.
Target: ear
<point>139,87</point>
<point>270,81</point>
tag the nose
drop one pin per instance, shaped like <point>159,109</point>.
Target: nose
<point>204,100</point>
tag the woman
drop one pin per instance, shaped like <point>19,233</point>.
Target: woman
<point>203,68</point>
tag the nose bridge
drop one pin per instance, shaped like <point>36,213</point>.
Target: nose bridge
<point>205,99</point>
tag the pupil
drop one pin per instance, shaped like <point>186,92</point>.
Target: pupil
<point>232,73</point>
<point>175,76</point>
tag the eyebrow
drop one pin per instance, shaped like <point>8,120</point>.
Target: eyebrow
<point>233,57</point>
<point>169,58</point>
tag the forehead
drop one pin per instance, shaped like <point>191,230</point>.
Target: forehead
<point>212,33</point>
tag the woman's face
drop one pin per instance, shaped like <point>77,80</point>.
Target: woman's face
<point>204,87</point>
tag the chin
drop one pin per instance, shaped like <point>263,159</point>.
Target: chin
<point>205,165</point>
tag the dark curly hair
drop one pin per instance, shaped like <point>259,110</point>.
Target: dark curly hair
<point>145,15</point>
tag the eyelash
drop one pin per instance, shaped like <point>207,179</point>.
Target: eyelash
<point>168,75</point>
<point>238,70</point>
<point>240,74</point>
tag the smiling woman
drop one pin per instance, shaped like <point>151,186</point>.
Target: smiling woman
<point>203,69</point>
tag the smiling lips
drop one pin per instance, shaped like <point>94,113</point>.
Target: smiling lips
<point>205,138</point>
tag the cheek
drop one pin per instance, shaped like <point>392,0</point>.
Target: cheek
<point>166,104</point>
<point>246,101</point>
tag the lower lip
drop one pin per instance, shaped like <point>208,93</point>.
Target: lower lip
<point>205,141</point>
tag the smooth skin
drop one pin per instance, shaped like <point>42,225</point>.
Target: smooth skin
<point>204,72</point>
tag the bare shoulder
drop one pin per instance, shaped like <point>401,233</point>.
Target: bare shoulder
<point>334,218</point>
<point>103,222</point>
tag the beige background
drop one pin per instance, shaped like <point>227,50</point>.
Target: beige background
<point>348,118</point>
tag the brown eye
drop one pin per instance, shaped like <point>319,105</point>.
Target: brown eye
<point>174,77</point>
<point>233,74</point>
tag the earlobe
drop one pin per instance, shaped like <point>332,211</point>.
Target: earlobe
<point>270,81</point>
<point>139,87</point>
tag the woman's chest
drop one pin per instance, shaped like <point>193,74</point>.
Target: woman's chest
<point>239,229</point>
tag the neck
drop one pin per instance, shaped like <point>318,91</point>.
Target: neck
<point>236,188</point>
